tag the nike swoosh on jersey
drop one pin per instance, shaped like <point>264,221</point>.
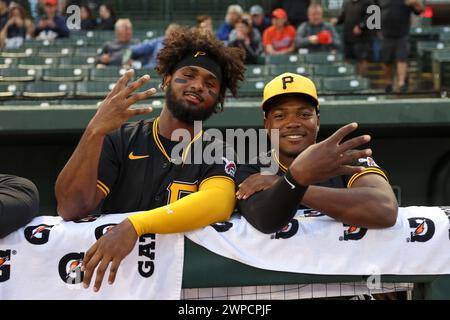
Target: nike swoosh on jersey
<point>131,156</point>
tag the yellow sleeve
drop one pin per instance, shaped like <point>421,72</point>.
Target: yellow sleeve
<point>214,202</point>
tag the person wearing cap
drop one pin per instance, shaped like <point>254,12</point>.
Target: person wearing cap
<point>259,20</point>
<point>233,16</point>
<point>331,176</point>
<point>51,25</point>
<point>280,37</point>
<point>137,166</point>
<point>315,34</point>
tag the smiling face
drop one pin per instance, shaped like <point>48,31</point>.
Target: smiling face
<point>192,93</point>
<point>298,123</point>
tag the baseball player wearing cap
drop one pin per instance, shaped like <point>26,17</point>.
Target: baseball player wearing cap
<point>331,176</point>
<point>130,167</point>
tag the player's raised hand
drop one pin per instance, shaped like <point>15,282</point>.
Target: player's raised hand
<point>116,109</point>
<point>330,158</point>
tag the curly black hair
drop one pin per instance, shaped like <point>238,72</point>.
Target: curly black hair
<point>182,41</point>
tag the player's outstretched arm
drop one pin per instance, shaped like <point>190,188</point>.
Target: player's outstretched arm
<point>76,187</point>
<point>214,202</point>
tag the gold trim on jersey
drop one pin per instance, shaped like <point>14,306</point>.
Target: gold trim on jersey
<point>214,177</point>
<point>175,189</point>
<point>366,171</point>
<point>282,167</point>
<point>161,147</point>
<point>103,187</point>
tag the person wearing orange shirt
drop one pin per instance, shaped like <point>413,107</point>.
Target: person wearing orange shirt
<point>280,37</point>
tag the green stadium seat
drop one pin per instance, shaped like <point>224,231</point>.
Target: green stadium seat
<point>72,43</point>
<point>252,87</point>
<point>16,74</point>
<point>64,74</point>
<point>444,36</point>
<point>345,84</point>
<point>87,51</point>
<point>93,89</point>
<point>285,59</point>
<point>7,62</point>
<point>325,70</point>
<point>74,61</point>
<point>255,71</point>
<point>276,70</point>
<point>55,52</point>
<point>10,90</point>
<point>37,62</point>
<point>323,58</point>
<point>110,74</point>
<point>36,44</point>
<point>17,52</point>
<point>48,90</point>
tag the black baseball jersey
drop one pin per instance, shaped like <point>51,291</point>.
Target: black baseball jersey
<point>247,170</point>
<point>136,171</point>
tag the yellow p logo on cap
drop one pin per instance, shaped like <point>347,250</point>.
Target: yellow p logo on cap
<point>199,53</point>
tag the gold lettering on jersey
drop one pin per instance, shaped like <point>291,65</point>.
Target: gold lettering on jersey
<point>179,188</point>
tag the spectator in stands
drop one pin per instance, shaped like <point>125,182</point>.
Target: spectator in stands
<point>112,52</point>
<point>205,24</point>
<point>234,14</point>
<point>19,203</point>
<point>395,22</point>
<point>249,39</point>
<point>259,20</point>
<point>4,11</point>
<point>296,10</point>
<point>88,21</point>
<point>17,28</point>
<point>107,17</point>
<point>51,26</point>
<point>147,51</point>
<point>357,37</point>
<point>280,37</point>
<point>315,34</point>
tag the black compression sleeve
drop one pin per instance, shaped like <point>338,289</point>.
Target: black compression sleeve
<point>272,209</point>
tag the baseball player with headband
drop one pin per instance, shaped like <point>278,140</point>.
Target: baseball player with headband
<point>129,167</point>
<point>312,175</point>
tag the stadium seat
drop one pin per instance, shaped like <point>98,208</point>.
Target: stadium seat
<point>287,59</point>
<point>322,58</point>
<point>55,52</point>
<point>7,62</point>
<point>444,36</point>
<point>64,74</point>
<point>109,74</point>
<point>302,69</point>
<point>37,62</point>
<point>16,74</point>
<point>17,52</point>
<point>252,87</point>
<point>255,71</point>
<point>331,70</point>
<point>345,84</point>
<point>48,90</point>
<point>87,62</point>
<point>87,51</point>
<point>93,89</point>
<point>10,90</point>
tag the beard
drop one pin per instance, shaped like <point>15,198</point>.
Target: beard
<point>186,112</point>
